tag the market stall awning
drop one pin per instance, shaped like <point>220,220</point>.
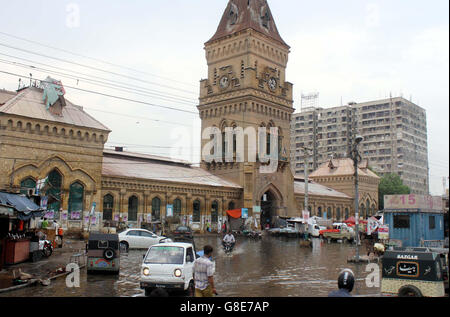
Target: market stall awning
<point>350,220</point>
<point>25,208</point>
<point>235,213</point>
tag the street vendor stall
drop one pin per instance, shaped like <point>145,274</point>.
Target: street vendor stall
<point>16,245</point>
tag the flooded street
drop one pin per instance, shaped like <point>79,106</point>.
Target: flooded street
<point>270,267</point>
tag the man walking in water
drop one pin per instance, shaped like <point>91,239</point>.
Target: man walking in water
<point>204,274</point>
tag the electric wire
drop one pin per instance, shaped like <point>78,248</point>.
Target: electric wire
<point>107,95</point>
<point>93,58</point>
<point>95,68</point>
<point>74,75</point>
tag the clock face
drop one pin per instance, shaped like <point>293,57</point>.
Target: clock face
<point>272,83</point>
<point>224,82</point>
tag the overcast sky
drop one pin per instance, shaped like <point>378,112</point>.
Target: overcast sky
<point>345,50</point>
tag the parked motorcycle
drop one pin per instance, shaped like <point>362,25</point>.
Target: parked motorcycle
<point>46,247</point>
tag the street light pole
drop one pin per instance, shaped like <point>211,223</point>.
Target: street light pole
<point>305,149</point>
<point>356,157</point>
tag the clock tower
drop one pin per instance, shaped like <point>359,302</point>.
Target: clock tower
<point>247,89</point>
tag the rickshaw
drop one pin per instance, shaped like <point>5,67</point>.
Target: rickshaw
<point>103,253</point>
<point>414,272</point>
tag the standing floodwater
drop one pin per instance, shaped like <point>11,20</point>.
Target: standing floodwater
<point>270,267</point>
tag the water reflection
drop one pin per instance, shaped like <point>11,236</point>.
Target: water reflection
<point>270,267</point>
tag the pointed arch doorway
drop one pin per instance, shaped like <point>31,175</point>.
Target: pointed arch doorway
<point>270,203</point>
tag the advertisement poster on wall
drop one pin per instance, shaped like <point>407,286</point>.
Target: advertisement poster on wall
<point>244,213</point>
<point>383,232</point>
<point>169,212</point>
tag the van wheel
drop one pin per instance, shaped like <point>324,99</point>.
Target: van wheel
<point>409,291</point>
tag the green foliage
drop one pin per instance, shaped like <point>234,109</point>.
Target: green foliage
<point>391,184</point>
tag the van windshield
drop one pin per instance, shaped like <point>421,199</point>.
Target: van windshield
<point>165,255</point>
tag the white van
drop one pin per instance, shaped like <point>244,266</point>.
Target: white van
<point>314,229</point>
<point>169,266</point>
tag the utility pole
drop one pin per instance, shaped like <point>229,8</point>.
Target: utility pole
<point>305,149</point>
<point>356,157</point>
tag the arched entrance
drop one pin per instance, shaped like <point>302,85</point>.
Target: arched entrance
<point>270,202</point>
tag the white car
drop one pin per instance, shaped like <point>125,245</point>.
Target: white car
<point>169,266</point>
<point>140,239</point>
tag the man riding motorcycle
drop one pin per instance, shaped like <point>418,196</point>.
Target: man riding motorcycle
<point>228,242</point>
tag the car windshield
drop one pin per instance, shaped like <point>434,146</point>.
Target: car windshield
<point>165,255</point>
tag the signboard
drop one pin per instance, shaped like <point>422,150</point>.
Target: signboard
<point>244,213</point>
<point>75,215</point>
<point>50,214</point>
<point>93,208</point>
<point>116,217</point>
<point>413,201</point>
<point>256,209</point>
<point>169,212</point>
<point>383,232</point>
<point>44,202</point>
<point>305,215</point>
<point>40,185</point>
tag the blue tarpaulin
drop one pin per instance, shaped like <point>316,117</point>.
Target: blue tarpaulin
<point>25,208</point>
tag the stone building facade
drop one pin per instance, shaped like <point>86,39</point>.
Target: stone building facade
<point>339,174</point>
<point>246,87</point>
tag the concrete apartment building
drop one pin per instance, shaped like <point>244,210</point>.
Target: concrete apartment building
<point>394,131</point>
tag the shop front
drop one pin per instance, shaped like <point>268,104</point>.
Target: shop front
<point>16,213</point>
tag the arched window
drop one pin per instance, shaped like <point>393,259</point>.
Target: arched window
<point>362,211</point>
<point>177,207</point>
<point>108,205</point>
<point>133,203</point>
<point>26,185</point>
<point>347,214</point>
<point>156,209</point>
<point>319,211</point>
<point>231,205</point>
<point>196,211</point>
<point>368,208</point>
<point>76,198</point>
<point>338,214</point>
<point>214,212</point>
<point>55,183</point>
<point>329,215</point>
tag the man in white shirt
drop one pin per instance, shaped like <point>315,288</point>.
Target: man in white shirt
<point>229,239</point>
<point>204,274</point>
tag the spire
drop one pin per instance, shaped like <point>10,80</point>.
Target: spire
<point>247,14</point>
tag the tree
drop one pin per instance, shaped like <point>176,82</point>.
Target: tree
<point>391,184</point>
